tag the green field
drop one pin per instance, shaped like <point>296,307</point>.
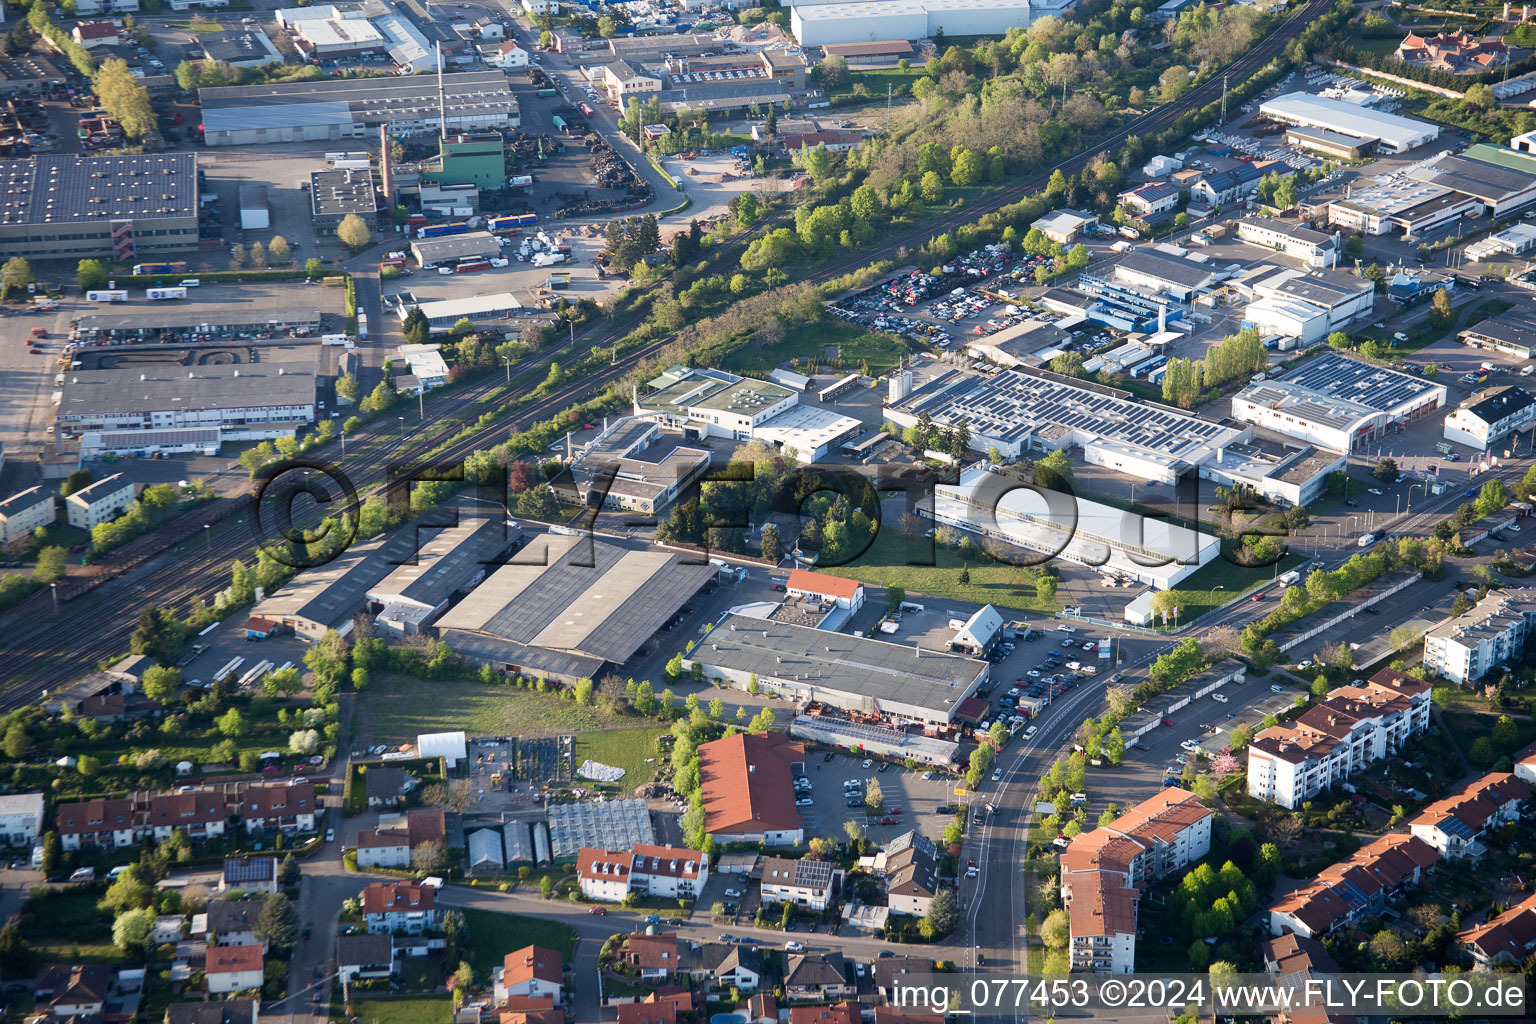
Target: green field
<point>492,936</point>
<point>883,352</point>
<point>434,1010</point>
<point>1200,594</point>
<point>623,748</point>
<point>888,563</point>
<point>399,708</point>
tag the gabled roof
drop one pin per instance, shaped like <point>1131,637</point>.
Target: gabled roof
<point>220,1011</point>
<point>529,963</point>
<point>95,816</point>
<point>362,949</point>
<point>227,916</point>
<point>234,959</point>
<point>179,810</point>
<point>1511,934</point>
<point>745,781</point>
<point>816,969</point>
<point>817,583</point>
<point>395,897</point>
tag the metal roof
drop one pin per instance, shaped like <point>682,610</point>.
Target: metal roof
<point>69,188</point>
<point>156,388</point>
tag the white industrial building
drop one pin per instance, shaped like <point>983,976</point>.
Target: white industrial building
<point>1416,208</point>
<point>1512,241</point>
<point>1502,180</point>
<point>1337,403</point>
<point>450,746</point>
<point>1306,306</point>
<point>1146,549</point>
<point>860,21</point>
<point>1395,133</point>
<point>242,401</point>
<point>1490,415</point>
<point>1314,248</point>
<point>808,429</point>
<point>1465,648</point>
<point>1291,476</point>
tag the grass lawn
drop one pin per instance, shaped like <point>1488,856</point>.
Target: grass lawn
<point>875,82</point>
<point>433,1010</point>
<point>889,562</point>
<point>399,708</point>
<point>1469,719</point>
<point>883,352</point>
<point>492,936</point>
<point>1199,593</point>
<point>622,748</point>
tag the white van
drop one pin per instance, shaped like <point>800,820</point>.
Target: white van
<point>191,282</point>
<point>83,875</point>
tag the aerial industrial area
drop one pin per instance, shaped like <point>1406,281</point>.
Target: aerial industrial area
<point>518,512</point>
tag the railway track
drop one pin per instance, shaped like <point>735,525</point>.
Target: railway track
<point>43,654</point>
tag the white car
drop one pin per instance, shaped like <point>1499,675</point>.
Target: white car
<point>1220,698</point>
<point>734,894</point>
<point>794,947</point>
<point>804,801</point>
<point>868,764</point>
<point>997,775</point>
<point>1189,745</point>
<point>1066,629</point>
<point>1030,732</point>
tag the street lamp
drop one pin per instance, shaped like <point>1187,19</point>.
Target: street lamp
<point>208,533</point>
<point>55,588</point>
<point>343,446</point>
<point>402,424</point>
<point>1410,495</point>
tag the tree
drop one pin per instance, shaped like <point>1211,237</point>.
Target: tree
<point>1481,752</point>
<point>161,682</point>
<point>770,546</point>
<point>123,96</point>
<point>1054,472</point>
<point>853,830</point>
<point>16,273</point>
<point>90,274</point>
<point>289,875</point>
<point>874,796</point>
<point>429,856</point>
<point>354,232</point>
<point>304,741</point>
<point>131,931</point>
<point>832,71</point>
<point>1056,930</point>
<point>232,724</point>
<point>277,923</point>
<point>943,912</point>
<point>314,266</point>
<point>283,682</point>
<point>279,249</point>
<point>1440,314</point>
<point>931,187</point>
<point>52,562</point>
<point>606,27</point>
<point>1386,471</point>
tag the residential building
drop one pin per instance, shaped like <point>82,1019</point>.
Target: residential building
<point>603,874</point>
<point>100,502</point>
<point>249,874</point>
<point>746,787</point>
<point>196,813</point>
<point>726,965</point>
<point>1066,226</point>
<point>386,786</point>
<point>889,971</point>
<point>844,593</point>
<point>1104,871</point>
<point>810,884</point>
<point>77,991</point>
<point>1461,825</point>
<point>1353,890</point>
<point>364,956</point>
<point>1222,188</point>
<point>1293,959</point>
<point>648,1012</point>
<point>837,1013</point>
<point>530,971</point>
<point>390,845</point>
<point>1488,416</point>
<point>656,957</point>
<point>24,512</point>
<point>1504,940</point>
<point>1350,730</point>
<point>287,807</point>
<point>911,879</point>
<point>233,922</point>
<point>406,907</point>
<point>668,872</point>
<point>819,976</point>
<point>234,969</point>
<point>1151,197</point>
<point>510,55</point>
<point>1453,52</point>
<point>21,818</point>
<point>220,1011</point>
<point>1465,648</point>
<point>1314,248</point>
<point>111,824</point>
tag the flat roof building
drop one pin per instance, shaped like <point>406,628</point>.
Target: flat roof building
<point>1331,143</point>
<point>242,400</point>
<point>1512,332</point>
<point>1414,207</point>
<point>443,314</point>
<point>172,323</point>
<point>1026,410</point>
<point>1288,477</point>
<point>352,108</point>
<point>1314,248</point>
<point>68,206</point>
<point>633,467</point>
<point>1002,507</point>
<point>569,606</point>
<point>446,565</point>
<point>333,194</point>
<point>1493,632</point>
<point>805,664</point>
<point>810,431</point>
<point>1396,134</point>
<point>449,249</point>
<point>1502,179</point>
<point>818,24</point>
<point>1337,403</point>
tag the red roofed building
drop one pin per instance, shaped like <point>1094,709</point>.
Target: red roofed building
<point>838,1013</point>
<point>1508,938</point>
<point>648,1013</point>
<point>400,907</point>
<point>748,790</point>
<point>1354,889</point>
<point>107,823</point>
<point>530,971</point>
<point>847,594</point>
<point>1453,51</point>
<point>198,813</point>
<point>91,34</point>
<point>1103,872</point>
<point>1458,826</point>
<point>835,141</point>
<point>234,968</point>
<point>285,806</point>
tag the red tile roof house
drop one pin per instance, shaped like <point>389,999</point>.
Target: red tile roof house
<point>1459,825</point>
<point>286,806</point>
<point>390,846</point>
<point>108,823</point>
<point>648,1013</point>
<point>1355,889</point>
<point>1508,938</point>
<point>530,971</point>
<point>72,991</point>
<point>198,813</point>
<point>748,790</point>
<point>401,907</point>
<point>234,968</point>
<point>657,957</point>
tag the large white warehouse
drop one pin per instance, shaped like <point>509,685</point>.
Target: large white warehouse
<point>858,21</point>
<point>1397,134</point>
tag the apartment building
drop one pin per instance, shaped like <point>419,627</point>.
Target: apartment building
<point>24,512</point>
<point>202,813</point>
<point>110,824</point>
<point>100,502</point>
<point>1353,728</point>
<point>1354,889</point>
<point>1505,940</point>
<point>21,818</point>
<point>1104,871</point>
<point>1490,633</point>
<point>1315,248</point>
<point>390,844</point>
<point>1489,416</point>
<point>610,875</point>
<point>1460,825</point>
<point>805,883</point>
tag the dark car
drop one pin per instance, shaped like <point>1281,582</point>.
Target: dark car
<point>777,586</point>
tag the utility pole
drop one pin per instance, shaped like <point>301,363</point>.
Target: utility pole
<point>1223,99</point>
<point>888,95</point>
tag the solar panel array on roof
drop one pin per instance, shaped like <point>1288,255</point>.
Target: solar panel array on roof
<point>1356,381</point>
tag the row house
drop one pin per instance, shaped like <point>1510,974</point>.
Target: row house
<point>1355,889</point>
<point>1459,825</point>
<point>1346,733</point>
<point>408,907</point>
<point>1104,871</point>
<point>649,870</point>
<point>197,812</point>
<point>1508,939</point>
<point>390,845</point>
